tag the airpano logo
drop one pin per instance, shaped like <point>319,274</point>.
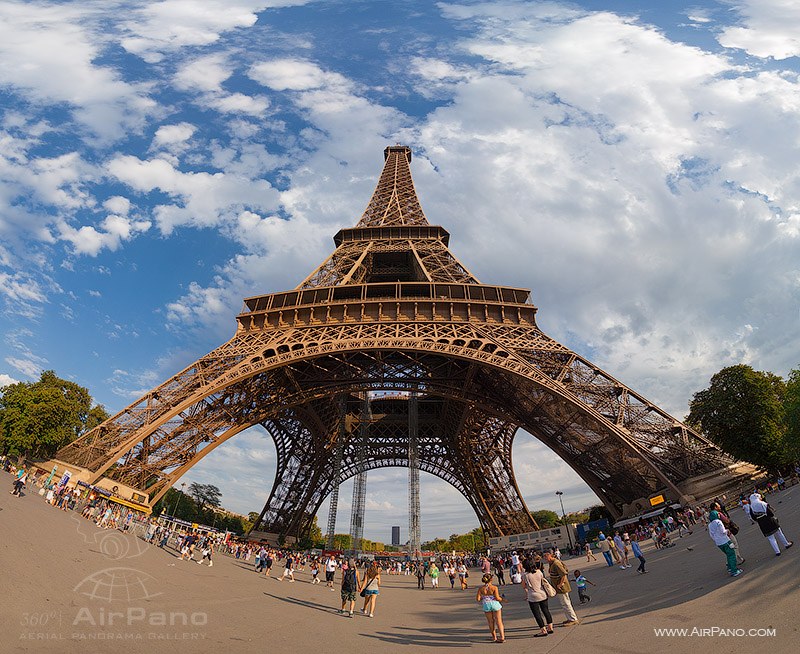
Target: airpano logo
<point>135,616</point>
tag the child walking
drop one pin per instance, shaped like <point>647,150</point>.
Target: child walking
<point>580,582</point>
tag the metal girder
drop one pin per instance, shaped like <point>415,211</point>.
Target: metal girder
<point>393,309</point>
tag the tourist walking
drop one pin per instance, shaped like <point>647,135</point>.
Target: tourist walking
<point>370,589</point>
<point>20,481</point>
<point>463,574</point>
<point>559,580</point>
<point>207,556</point>
<point>492,604</point>
<point>330,571</point>
<point>420,572</point>
<point>350,585</point>
<point>623,551</point>
<point>288,570</point>
<point>533,583</point>
<point>767,522</point>
<point>719,534</point>
<point>604,545</point>
<point>730,525</point>
<point>268,563</point>
<point>433,572</point>
<point>498,568</point>
<point>637,552</point>
<point>587,548</point>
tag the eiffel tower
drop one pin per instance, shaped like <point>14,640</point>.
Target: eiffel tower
<point>392,309</point>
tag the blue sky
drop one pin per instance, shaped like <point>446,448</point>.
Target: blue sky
<point>634,164</point>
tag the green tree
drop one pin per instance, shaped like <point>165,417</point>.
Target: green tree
<point>791,405</point>
<point>38,418</point>
<point>205,495</point>
<point>599,512</point>
<point>313,538</point>
<point>742,411</point>
<point>546,519</point>
<point>342,542</point>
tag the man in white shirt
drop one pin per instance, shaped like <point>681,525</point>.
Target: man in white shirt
<point>718,533</point>
<point>330,571</point>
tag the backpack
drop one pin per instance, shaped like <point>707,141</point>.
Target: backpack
<point>349,584</point>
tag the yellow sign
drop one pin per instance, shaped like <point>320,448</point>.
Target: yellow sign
<point>195,525</point>
<point>658,499</point>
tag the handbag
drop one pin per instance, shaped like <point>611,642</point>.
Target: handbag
<point>733,527</point>
<point>548,588</point>
<point>363,593</point>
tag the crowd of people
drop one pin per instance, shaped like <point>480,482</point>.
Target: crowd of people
<point>541,575</point>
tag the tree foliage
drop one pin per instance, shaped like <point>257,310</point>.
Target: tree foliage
<point>38,418</point>
<point>599,512</point>
<point>185,507</point>
<point>546,519</point>
<point>205,494</point>
<point>791,405</point>
<point>742,411</point>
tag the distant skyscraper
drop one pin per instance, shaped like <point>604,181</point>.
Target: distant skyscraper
<point>395,535</point>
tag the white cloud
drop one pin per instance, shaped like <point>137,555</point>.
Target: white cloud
<point>7,380</point>
<point>205,73</point>
<point>113,231</point>
<point>205,199</point>
<point>238,103</point>
<point>160,27</point>
<point>293,75</point>
<point>29,367</point>
<point>600,150</point>
<point>770,28</point>
<point>118,205</point>
<point>47,53</point>
<point>171,134</point>
<point>19,287</point>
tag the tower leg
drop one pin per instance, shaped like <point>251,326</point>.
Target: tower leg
<point>360,484</point>
<point>337,466</point>
<point>414,535</point>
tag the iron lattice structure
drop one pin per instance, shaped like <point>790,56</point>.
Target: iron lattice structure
<point>392,309</point>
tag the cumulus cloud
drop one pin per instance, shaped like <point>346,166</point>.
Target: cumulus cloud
<point>48,52</point>
<point>239,103</point>
<point>602,151</point>
<point>7,380</point>
<point>118,205</point>
<point>205,199</point>
<point>768,28</point>
<point>171,134</point>
<point>112,232</point>
<point>159,27</point>
<point>293,75</point>
<point>206,73</point>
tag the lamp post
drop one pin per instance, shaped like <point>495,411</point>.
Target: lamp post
<point>177,499</point>
<point>564,517</point>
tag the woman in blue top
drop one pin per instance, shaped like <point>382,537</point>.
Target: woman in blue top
<point>491,603</point>
<point>637,552</point>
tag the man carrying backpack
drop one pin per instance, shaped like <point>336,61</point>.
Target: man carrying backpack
<point>350,586</point>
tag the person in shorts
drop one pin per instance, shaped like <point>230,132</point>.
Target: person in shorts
<point>371,589</point>
<point>491,603</point>
<point>330,571</point>
<point>288,570</point>
<point>350,585</point>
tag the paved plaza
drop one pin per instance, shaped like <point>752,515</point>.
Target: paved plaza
<point>71,587</point>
